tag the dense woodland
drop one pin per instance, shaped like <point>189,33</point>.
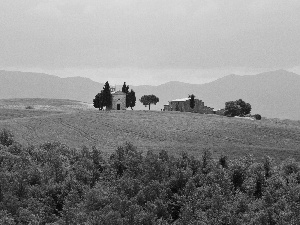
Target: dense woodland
<point>54,184</point>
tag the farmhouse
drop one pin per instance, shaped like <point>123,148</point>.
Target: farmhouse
<point>183,105</point>
<point>220,112</point>
<point>118,99</point>
<point>167,108</point>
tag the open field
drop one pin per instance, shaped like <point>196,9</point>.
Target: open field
<point>44,104</point>
<point>155,130</point>
<point>36,107</point>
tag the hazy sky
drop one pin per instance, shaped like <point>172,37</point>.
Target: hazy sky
<point>150,41</point>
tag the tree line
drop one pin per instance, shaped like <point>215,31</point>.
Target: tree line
<point>58,185</point>
<point>130,96</point>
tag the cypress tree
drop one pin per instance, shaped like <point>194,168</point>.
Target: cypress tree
<point>192,101</point>
<point>98,101</point>
<point>130,96</point>
<point>125,88</point>
<point>107,97</point>
<point>131,99</point>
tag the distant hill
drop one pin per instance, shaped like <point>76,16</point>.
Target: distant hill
<point>38,85</point>
<point>273,94</point>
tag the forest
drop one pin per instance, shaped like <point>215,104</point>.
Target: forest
<point>55,184</point>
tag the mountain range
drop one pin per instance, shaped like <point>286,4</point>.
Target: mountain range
<point>274,94</point>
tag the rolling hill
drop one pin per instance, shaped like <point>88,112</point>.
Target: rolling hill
<point>150,130</point>
<point>273,94</point>
<point>38,85</point>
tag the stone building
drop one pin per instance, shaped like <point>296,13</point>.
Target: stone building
<point>183,105</point>
<point>167,108</point>
<point>220,112</point>
<point>118,99</point>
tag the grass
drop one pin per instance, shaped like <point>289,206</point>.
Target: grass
<point>153,130</point>
<point>44,104</point>
<point>37,107</point>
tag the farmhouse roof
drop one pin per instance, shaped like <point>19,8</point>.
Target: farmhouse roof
<point>180,100</point>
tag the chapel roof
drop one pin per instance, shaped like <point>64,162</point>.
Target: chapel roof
<point>118,93</point>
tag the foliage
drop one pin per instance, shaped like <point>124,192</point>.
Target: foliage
<point>192,101</point>
<point>257,116</point>
<point>237,108</point>
<point>149,99</point>
<point>104,98</point>
<point>29,107</point>
<point>6,137</point>
<point>131,99</point>
<point>98,101</point>
<point>54,184</point>
<point>107,98</point>
<point>130,96</point>
<point>125,88</point>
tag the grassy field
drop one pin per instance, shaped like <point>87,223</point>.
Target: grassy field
<point>77,124</point>
<point>64,105</point>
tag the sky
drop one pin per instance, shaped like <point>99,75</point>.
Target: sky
<point>150,41</point>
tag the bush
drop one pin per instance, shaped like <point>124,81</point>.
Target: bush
<point>6,137</point>
<point>237,108</point>
<point>53,184</point>
<point>257,117</point>
<point>223,161</point>
<point>6,218</point>
<point>29,107</point>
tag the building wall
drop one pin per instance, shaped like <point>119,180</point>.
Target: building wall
<point>184,106</point>
<point>220,112</point>
<point>118,98</point>
<point>166,108</point>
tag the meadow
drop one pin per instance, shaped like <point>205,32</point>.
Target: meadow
<point>77,124</point>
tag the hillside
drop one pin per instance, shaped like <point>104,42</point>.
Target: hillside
<point>37,85</point>
<point>53,183</point>
<point>44,104</point>
<point>171,131</point>
<point>273,94</point>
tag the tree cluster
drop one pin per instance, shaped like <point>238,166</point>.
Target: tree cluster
<point>147,100</point>
<point>237,108</point>
<point>54,184</point>
<point>130,96</point>
<point>103,99</point>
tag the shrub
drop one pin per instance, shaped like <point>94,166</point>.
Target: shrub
<point>29,107</point>
<point>237,178</point>
<point>6,137</point>
<point>6,218</point>
<point>223,161</point>
<point>257,117</point>
<point>52,184</point>
<point>237,108</point>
